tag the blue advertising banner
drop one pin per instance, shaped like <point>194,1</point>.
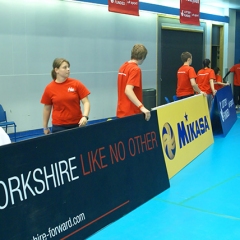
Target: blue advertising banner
<point>223,113</point>
<point>70,184</point>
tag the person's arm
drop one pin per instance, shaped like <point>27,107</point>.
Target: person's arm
<point>46,115</point>
<point>133,98</point>
<point>195,87</point>
<point>86,110</point>
<point>226,76</point>
<point>220,83</point>
<point>212,86</point>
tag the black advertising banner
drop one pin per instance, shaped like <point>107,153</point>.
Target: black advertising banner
<point>68,185</point>
<point>223,112</point>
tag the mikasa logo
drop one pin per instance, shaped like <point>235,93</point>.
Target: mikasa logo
<point>70,89</point>
<point>188,132</point>
<point>169,141</point>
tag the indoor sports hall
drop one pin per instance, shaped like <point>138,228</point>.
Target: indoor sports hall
<point>118,177</point>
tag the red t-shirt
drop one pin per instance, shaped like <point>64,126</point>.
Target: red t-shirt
<point>184,86</point>
<point>203,79</point>
<point>218,79</point>
<point>65,100</point>
<point>236,70</point>
<point>128,74</point>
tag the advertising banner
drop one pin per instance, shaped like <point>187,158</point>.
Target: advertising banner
<point>189,12</point>
<point>70,184</point>
<point>223,113</point>
<point>185,129</point>
<point>130,7</point>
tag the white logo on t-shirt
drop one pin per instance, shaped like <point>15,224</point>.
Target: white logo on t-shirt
<point>70,89</point>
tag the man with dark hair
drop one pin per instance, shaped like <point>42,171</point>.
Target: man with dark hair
<point>186,84</point>
<point>130,85</point>
<point>236,83</point>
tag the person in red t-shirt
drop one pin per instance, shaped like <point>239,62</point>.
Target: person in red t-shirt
<point>218,84</point>
<point>186,84</point>
<point>236,84</point>
<point>205,80</point>
<point>130,85</point>
<point>62,96</point>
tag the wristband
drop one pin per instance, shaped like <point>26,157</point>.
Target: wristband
<point>86,117</point>
<point>140,106</point>
<point>45,128</point>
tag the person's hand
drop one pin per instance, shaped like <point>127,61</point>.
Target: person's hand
<point>146,112</point>
<point>204,94</point>
<point>227,83</point>
<point>46,131</point>
<point>214,92</point>
<point>82,122</point>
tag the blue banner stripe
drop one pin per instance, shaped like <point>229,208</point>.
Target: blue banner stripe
<point>165,10</point>
<point>212,17</point>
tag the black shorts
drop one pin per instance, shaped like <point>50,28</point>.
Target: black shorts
<point>58,128</point>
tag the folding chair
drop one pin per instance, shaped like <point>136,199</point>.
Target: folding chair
<point>175,98</point>
<point>167,100</point>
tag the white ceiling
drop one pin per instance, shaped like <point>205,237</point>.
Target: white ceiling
<point>234,4</point>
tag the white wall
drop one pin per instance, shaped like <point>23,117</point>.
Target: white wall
<point>95,41</point>
<point>230,50</point>
<point>208,40</point>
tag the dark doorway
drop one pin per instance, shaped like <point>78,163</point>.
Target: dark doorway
<point>171,44</point>
<point>217,47</point>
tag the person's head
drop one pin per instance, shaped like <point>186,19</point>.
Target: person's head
<point>60,66</point>
<point>139,53</point>
<point>216,70</point>
<point>206,63</point>
<point>186,57</point>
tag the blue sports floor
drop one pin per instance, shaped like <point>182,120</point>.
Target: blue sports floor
<point>203,201</point>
